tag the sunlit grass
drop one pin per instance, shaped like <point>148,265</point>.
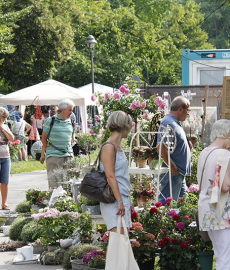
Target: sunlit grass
<point>27,166</point>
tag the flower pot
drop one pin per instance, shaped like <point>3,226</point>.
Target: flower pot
<point>205,259</point>
<point>93,209</point>
<point>141,163</point>
<point>77,265</point>
<point>37,207</point>
<point>6,230</point>
<point>148,265</point>
<point>141,201</point>
<point>39,249</point>
<point>52,247</point>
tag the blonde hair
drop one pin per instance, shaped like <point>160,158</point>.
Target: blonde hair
<point>220,129</point>
<point>3,112</point>
<point>119,121</point>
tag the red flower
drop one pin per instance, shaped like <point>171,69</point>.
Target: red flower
<point>153,210</point>
<point>175,240</point>
<point>40,199</point>
<point>168,200</point>
<point>161,243</point>
<point>180,225</point>
<point>166,240</point>
<point>134,215</point>
<point>175,217</point>
<point>158,204</point>
<point>189,240</point>
<point>184,244</point>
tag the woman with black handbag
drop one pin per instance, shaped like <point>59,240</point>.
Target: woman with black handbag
<point>116,170</point>
<point>213,176</point>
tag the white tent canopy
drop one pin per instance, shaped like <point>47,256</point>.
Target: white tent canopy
<point>49,92</point>
<point>86,91</point>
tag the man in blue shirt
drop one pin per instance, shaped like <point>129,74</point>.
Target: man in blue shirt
<point>180,157</point>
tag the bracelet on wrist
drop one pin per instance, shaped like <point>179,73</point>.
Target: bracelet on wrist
<point>120,202</point>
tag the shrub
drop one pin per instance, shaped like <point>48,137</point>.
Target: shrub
<point>77,251</point>
<point>31,231</point>
<point>16,228</point>
<point>23,207</point>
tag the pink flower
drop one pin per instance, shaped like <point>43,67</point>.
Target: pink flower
<point>143,105</point>
<point>180,225</point>
<point>107,95</point>
<point>133,124</point>
<point>133,106</point>
<point>163,104</point>
<point>97,118</point>
<point>135,244</point>
<point>125,85</point>
<point>158,101</point>
<point>116,96</point>
<point>122,89</point>
<point>127,91</point>
<point>91,132</point>
<point>127,78</point>
<point>93,98</point>
<point>172,212</point>
<point>102,100</point>
<point>78,197</point>
<point>168,200</point>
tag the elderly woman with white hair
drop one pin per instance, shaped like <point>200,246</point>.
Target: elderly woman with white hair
<point>213,176</point>
<point>5,162</point>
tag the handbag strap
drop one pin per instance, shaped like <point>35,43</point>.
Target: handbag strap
<point>119,221</point>
<point>99,155</point>
<point>204,167</point>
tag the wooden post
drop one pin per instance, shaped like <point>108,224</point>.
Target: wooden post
<point>205,100</point>
<point>226,98</point>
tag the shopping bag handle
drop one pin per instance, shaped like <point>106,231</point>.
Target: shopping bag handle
<point>119,221</point>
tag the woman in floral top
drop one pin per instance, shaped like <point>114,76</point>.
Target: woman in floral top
<point>214,200</point>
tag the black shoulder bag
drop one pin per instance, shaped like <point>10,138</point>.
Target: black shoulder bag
<point>95,186</point>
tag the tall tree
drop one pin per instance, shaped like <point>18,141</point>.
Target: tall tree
<point>42,35</point>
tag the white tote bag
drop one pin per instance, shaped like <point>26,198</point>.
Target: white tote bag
<point>119,253</point>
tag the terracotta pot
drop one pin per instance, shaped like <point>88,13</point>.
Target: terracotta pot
<point>141,201</point>
<point>141,163</point>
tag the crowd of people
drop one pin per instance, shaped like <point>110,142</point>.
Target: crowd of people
<point>57,131</point>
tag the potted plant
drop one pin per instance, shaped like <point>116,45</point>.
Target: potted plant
<point>139,155</point>
<point>88,205</point>
<point>142,191</point>
<point>95,259</point>
<point>144,246</point>
<point>2,221</point>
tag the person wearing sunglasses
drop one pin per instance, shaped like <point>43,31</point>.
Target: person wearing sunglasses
<point>5,163</point>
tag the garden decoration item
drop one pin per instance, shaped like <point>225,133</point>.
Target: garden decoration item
<point>95,185</point>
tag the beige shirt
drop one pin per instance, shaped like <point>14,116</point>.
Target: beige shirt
<point>4,149</point>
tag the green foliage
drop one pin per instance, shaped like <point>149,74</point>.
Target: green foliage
<point>23,207</point>
<point>31,231</point>
<point>65,204</point>
<point>76,252</point>
<point>27,166</point>
<point>16,228</point>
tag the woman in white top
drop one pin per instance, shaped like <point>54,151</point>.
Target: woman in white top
<point>214,171</point>
<point>21,129</point>
<point>5,162</point>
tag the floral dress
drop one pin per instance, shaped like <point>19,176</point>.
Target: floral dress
<point>207,217</point>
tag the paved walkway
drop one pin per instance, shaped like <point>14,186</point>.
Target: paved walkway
<point>18,185</point>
